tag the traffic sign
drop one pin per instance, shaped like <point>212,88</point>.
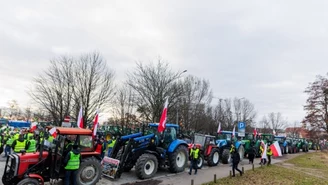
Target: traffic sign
<point>241,129</point>
<point>241,125</point>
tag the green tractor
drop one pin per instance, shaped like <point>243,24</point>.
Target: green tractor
<point>304,145</point>
<point>291,145</point>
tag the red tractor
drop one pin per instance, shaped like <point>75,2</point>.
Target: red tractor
<point>46,164</point>
<point>207,149</point>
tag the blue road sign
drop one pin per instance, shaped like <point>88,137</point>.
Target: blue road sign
<point>241,125</point>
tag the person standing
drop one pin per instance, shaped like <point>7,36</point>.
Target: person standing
<point>9,142</point>
<point>20,144</point>
<point>111,145</point>
<point>269,154</point>
<point>31,145</point>
<point>194,156</point>
<point>72,163</point>
<point>235,161</point>
<point>251,155</point>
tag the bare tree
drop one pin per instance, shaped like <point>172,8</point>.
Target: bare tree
<point>317,104</point>
<point>93,85</point>
<point>276,121</point>
<point>152,83</point>
<point>14,109</point>
<point>28,113</point>
<point>71,82</point>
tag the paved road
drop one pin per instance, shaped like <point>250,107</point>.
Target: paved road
<point>183,178</point>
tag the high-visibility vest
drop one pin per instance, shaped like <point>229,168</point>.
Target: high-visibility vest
<point>269,152</point>
<point>232,149</point>
<point>16,136</point>
<point>111,145</point>
<point>32,147</point>
<point>19,146</point>
<point>194,153</point>
<point>29,135</point>
<point>73,162</point>
<point>10,141</point>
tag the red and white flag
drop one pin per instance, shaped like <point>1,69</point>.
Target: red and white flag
<point>53,132</point>
<point>95,125</point>
<point>275,148</point>
<point>162,122</point>
<point>80,119</point>
<point>219,128</point>
<point>264,154</point>
<point>255,132</point>
<point>67,119</point>
<point>274,132</point>
<point>33,126</point>
<point>234,131</point>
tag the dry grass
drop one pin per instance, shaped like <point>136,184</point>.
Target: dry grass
<point>306,169</point>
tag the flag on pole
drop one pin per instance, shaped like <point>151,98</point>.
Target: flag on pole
<point>80,119</point>
<point>162,122</point>
<point>275,148</point>
<point>264,154</point>
<point>33,126</point>
<point>95,125</point>
<point>53,132</point>
<point>274,132</point>
<point>255,132</point>
<point>234,131</point>
<point>219,128</point>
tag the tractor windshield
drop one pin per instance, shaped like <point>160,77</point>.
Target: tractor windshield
<point>86,143</point>
<point>199,140</point>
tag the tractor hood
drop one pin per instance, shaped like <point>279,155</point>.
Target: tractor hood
<point>221,142</point>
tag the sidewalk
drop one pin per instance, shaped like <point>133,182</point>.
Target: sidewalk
<point>222,170</point>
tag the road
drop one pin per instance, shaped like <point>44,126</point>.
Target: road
<point>183,178</point>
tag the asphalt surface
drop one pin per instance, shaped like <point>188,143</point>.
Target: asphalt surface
<point>163,177</point>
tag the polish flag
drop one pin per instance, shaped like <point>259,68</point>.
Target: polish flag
<point>255,132</point>
<point>219,128</point>
<point>95,125</point>
<point>234,131</point>
<point>33,126</point>
<point>275,148</point>
<point>53,132</point>
<point>80,119</point>
<point>161,126</point>
<point>264,155</point>
<point>274,132</point>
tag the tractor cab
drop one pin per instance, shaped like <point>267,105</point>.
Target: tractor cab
<point>224,142</point>
<point>46,164</point>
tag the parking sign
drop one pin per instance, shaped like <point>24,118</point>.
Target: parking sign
<point>241,129</point>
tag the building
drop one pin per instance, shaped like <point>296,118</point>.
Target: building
<point>299,132</point>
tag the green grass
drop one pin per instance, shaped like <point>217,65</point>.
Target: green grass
<point>285,176</point>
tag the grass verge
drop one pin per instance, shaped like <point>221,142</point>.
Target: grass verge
<point>294,174</point>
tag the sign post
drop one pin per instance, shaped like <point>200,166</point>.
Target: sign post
<point>241,129</point>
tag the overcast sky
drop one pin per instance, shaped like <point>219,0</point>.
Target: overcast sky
<point>265,52</point>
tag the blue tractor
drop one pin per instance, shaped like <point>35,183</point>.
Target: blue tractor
<point>147,152</point>
<point>224,143</point>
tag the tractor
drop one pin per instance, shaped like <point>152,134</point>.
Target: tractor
<point>224,143</point>
<point>281,140</point>
<point>47,163</point>
<point>149,150</point>
<point>291,145</point>
<point>208,150</point>
<point>304,145</point>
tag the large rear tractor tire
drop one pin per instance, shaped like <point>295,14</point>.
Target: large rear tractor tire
<point>225,156</point>
<point>146,166</point>
<point>241,151</point>
<point>28,181</point>
<point>89,172</point>
<point>178,159</point>
<point>214,157</point>
<point>200,162</point>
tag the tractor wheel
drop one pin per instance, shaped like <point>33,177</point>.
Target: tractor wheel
<point>214,157</point>
<point>241,152</point>
<point>225,156</point>
<point>89,172</point>
<point>178,159</point>
<point>29,181</point>
<point>146,166</point>
<point>200,162</point>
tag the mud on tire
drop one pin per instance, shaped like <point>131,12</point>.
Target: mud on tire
<point>178,159</point>
<point>146,166</point>
<point>89,172</point>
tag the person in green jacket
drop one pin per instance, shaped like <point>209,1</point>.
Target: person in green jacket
<point>269,154</point>
<point>194,156</point>
<point>31,145</point>
<point>72,163</point>
<point>9,142</point>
